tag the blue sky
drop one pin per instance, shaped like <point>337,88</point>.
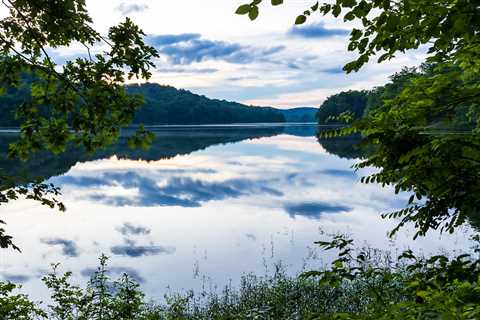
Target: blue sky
<point>209,50</point>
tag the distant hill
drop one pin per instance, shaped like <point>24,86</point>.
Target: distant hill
<point>300,114</point>
<point>163,105</point>
<point>168,105</point>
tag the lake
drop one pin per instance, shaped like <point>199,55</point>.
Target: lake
<point>202,206</point>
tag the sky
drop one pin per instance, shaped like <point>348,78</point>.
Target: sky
<point>207,49</point>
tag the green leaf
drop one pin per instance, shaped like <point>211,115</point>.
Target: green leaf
<point>301,19</point>
<point>336,10</point>
<point>253,14</point>
<point>243,9</point>
<point>277,2</point>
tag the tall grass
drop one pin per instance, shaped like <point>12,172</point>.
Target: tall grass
<point>362,283</point>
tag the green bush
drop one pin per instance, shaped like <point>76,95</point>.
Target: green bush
<point>437,287</point>
<point>363,283</point>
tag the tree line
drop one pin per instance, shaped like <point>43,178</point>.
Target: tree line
<point>161,105</point>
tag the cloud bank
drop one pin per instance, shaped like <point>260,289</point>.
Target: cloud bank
<point>188,48</point>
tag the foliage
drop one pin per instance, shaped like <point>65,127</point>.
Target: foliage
<point>361,104</point>
<point>362,283</point>
<point>277,297</point>
<point>101,299</point>
<point>422,148</point>
<point>45,194</point>
<point>82,101</point>
<point>414,122</point>
<point>353,102</point>
<point>11,98</point>
<point>419,149</point>
<point>388,27</point>
<point>269,297</point>
<point>164,105</point>
<point>17,306</point>
<point>301,114</point>
<point>413,287</point>
<point>167,105</point>
<point>398,81</point>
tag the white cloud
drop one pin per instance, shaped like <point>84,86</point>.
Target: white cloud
<point>127,8</point>
<point>303,73</point>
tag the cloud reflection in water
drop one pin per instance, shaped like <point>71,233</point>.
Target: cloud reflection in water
<point>132,250</point>
<point>175,191</point>
<point>15,278</point>
<point>314,209</point>
<point>115,271</point>
<point>69,248</point>
<point>227,203</point>
<point>128,229</point>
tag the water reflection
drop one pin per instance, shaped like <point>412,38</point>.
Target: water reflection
<point>69,248</point>
<point>344,147</point>
<point>174,191</point>
<point>115,272</point>
<point>213,202</point>
<point>129,229</point>
<point>350,174</point>
<point>16,278</point>
<point>169,142</point>
<point>314,209</point>
<point>132,250</point>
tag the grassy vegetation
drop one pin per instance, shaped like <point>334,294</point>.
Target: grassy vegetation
<point>361,284</point>
<point>275,297</point>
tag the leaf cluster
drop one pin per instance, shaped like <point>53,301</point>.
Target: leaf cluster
<point>101,299</point>
<point>252,10</point>
<point>83,100</point>
<point>421,133</point>
<point>45,194</point>
<point>412,287</point>
<point>386,28</point>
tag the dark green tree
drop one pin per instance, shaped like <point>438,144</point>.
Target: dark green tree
<point>378,95</point>
<point>354,102</point>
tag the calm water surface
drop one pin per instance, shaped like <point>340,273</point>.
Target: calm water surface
<point>201,207</point>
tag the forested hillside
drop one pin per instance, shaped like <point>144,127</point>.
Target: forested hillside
<point>11,99</point>
<point>167,105</point>
<point>353,102</point>
<point>162,105</point>
<point>358,104</point>
<point>355,105</point>
<point>300,114</point>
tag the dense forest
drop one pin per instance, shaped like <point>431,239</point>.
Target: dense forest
<point>354,105</point>
<point>351,101</point>
<point>166,105</point>
<point>300,114</point>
